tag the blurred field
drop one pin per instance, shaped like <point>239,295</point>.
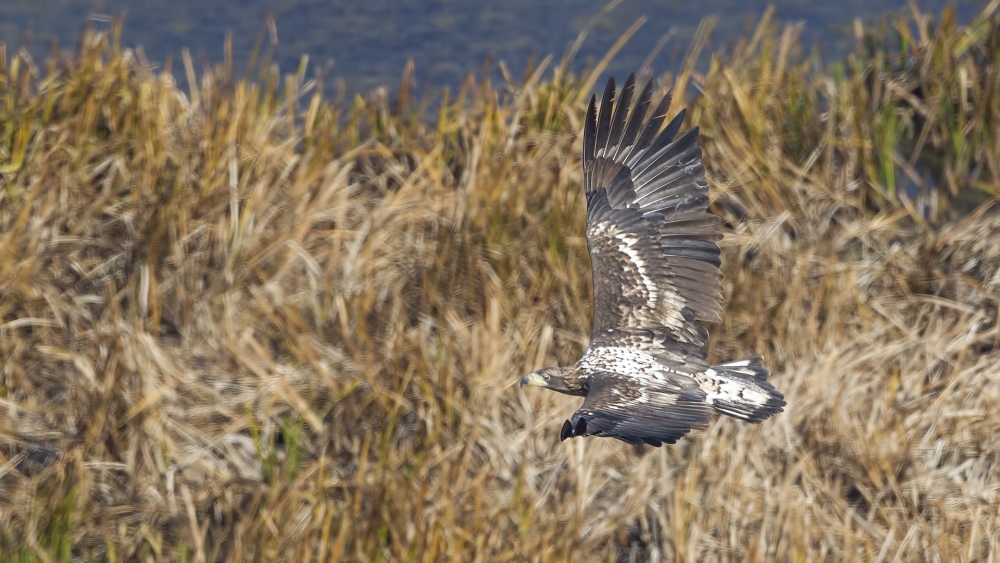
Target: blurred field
<point>245,323</point>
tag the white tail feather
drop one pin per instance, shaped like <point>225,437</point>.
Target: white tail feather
<point>740,389</point>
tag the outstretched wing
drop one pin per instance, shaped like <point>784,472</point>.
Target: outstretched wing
<point>637,411</point>
<point>652,242</point>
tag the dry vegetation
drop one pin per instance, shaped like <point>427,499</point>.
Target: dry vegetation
<point>246,323</point>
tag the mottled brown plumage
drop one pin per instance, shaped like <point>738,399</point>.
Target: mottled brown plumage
<point>655,263</point>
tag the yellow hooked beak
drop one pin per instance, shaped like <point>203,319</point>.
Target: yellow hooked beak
<point>533,379</point>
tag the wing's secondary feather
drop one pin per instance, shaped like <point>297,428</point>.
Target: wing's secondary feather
<point>659,342</point>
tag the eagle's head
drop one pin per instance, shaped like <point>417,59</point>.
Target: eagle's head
<point>564,380</point>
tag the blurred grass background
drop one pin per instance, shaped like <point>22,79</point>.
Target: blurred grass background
<point>243,322</point>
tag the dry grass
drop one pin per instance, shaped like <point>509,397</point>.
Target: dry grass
<point>248,324</point>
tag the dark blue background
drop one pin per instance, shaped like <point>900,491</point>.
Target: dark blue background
<point>369,41</point>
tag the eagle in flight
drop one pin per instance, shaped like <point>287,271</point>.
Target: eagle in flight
<point>655,263</point>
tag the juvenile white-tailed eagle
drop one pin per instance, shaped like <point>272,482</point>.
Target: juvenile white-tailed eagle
<point>655,262</point>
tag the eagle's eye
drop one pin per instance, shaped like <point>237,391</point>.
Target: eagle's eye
<point>546,376</point>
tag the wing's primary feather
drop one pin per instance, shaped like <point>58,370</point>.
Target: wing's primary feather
<point>635,122</point>
<point>604,121</point>
<point>618,121</point>
<point>589,142</point>
<point>653,127</point>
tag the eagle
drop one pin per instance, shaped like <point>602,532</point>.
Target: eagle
<point>655,260</point>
